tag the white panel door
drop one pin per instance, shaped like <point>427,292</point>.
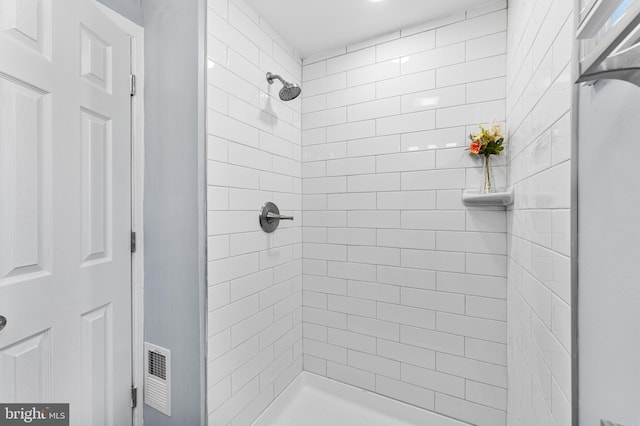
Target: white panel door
<point>65,209</point>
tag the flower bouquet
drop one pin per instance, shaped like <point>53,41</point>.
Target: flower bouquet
<point>487,142</point>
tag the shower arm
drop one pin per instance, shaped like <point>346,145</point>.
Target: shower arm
<point>271,76</point>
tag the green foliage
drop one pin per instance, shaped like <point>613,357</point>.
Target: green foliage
<point>487,141</point>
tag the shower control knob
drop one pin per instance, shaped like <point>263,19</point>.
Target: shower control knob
<point>270,217</point>
<point>273,216</point>
<point>3,322</point>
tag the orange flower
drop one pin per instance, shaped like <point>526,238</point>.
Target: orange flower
<point>475,147</point>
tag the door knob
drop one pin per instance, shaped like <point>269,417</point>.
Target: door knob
<point>3,322</point>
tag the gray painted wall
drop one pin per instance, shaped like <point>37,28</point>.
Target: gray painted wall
<point>175,200</point>
<point>609,243</point>
<point>132,9</point>
<point>175,195</point>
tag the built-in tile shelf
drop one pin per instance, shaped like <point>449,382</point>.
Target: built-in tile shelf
<point>473,198</point>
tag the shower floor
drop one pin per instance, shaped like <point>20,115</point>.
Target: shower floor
<point>313,400</point>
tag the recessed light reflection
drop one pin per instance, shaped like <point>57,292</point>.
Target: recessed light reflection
<point>425,102</point>
<point>452,145</point>
<point>210,64</point>
<point>376,1</point>
<point>401,60</point>
<point>417,148</point>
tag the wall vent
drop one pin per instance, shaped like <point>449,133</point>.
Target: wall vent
<point>157,378</point>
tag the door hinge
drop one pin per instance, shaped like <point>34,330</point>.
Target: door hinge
<point>133,242</point>
<point>134,397</point>
<point>132,84</point>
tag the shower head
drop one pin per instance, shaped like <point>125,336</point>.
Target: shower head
<point>289,91</point>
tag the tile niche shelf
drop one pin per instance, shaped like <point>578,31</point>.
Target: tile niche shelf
<point>473,198</point>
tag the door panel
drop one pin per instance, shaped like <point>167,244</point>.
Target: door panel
<point>97,366</point>
<point>96,181</point>
<point>65,209</point>
<point>25,182</point>
<point>29,23</point>
<point>25,368</point>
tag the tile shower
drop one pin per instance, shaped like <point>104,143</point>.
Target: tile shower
<point>404,287</point>
<point>384,280</point>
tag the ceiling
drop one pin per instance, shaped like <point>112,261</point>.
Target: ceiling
<point>313,26</point>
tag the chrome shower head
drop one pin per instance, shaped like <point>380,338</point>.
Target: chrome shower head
<point>289,91</point>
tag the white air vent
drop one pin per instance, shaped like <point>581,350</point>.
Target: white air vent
<point>157,378</point>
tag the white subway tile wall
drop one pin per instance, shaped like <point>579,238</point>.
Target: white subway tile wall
<point>404,289</point>
<point>254,156</point>
<point>539,98</point>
